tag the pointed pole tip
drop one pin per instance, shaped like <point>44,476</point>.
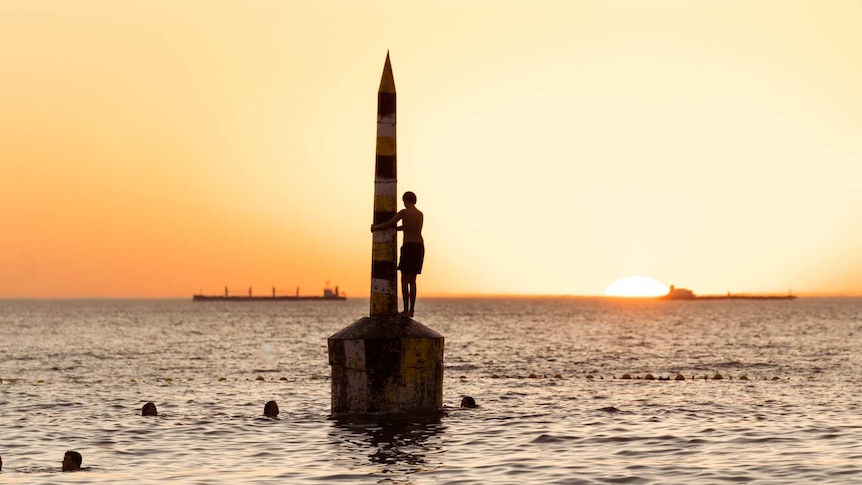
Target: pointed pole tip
<point>387,81</point>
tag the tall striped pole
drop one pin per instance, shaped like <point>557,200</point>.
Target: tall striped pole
<point>384,281</point>
<point>385,362</point>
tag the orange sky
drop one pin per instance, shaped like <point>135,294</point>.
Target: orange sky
<point>161,148</point>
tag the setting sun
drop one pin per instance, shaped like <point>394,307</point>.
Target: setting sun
<point>636,286</point>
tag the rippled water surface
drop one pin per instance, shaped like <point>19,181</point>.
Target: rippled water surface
<point>76,373</point>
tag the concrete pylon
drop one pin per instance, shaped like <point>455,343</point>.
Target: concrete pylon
<point>386,363</point>
<point>384,278</point>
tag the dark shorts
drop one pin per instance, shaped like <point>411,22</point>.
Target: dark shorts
<point>412,257</point>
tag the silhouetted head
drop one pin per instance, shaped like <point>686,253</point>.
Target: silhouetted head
<point>1,463</point>
<point>72,461</point>
<point>409,197</point>
<point>468,402</point>
<point>149,409</point>
<point>270,409</point>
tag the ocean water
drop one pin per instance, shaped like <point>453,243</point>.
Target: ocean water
<point>76,373</point>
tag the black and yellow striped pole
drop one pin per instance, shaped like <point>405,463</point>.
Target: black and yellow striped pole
<point>384,278</point>
<point>385,362</point>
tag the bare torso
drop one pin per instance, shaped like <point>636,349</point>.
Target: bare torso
<point>411,222</point>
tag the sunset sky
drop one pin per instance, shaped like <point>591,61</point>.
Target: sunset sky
<point>162,148</point>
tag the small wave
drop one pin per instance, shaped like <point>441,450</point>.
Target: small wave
<point>546,438</point>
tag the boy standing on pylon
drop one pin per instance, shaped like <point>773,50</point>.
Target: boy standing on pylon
<point>412,248</point>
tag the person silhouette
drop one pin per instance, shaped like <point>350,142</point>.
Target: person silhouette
<point>468,402</point>
<point>412,248</point>
<point>71,461</point>
<point>149,409</point>
<point>270,409</point>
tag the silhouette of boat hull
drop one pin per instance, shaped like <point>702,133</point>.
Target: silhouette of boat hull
<point>731,297</point>
<point>328,295</point>
<point>266,298</point>
<point>685,294</point>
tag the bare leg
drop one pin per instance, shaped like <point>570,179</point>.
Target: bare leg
<point>411,285</point>
<point>405,293</point>
<point>413,297</point>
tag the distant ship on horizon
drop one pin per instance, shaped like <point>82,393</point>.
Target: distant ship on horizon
<point>328,295</point>
<point>675,293</point>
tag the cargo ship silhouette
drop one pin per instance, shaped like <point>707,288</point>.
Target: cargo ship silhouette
<point>328,295</point>
<point>685,294</point>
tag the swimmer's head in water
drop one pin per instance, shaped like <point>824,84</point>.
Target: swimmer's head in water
<point>409,197</point>
<point>270,409</point>
<point>468,402</point>
<point>72,461</point>
<point>149,409</point>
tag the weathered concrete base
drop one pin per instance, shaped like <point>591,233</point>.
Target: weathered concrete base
<point>387,365</point>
